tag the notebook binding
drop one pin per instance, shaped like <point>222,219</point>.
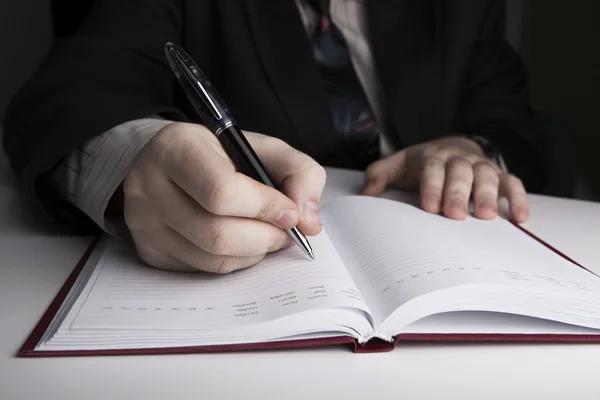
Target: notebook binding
<point>375,335</point>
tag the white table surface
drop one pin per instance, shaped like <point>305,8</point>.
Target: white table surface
<point>33,265</point>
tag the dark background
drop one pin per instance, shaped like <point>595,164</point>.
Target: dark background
<point>558,40</point>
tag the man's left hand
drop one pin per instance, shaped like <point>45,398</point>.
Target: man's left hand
<point>447,172</point>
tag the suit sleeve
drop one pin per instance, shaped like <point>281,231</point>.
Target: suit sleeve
<point>496,102</point>
<point>111,71</point>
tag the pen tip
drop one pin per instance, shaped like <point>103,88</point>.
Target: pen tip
<point>312,255</point>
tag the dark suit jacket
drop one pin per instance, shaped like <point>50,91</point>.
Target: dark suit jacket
<point>444,66</point>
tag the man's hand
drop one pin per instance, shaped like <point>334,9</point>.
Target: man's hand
<point>187,208</point>
<point>446,172</point>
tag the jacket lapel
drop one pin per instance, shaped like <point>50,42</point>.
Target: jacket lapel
<point>285,53</point>
<point>405,46</point>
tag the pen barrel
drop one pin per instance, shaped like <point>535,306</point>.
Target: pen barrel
<point>243,156</point>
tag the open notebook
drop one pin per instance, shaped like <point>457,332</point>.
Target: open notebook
<point>384,272</point>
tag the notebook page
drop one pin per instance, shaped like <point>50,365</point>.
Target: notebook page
<point>477,322</point>
<point>124,293</point>
<point>571,226</point>
<point>397,252</point>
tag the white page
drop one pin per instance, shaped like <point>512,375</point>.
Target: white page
<point>571,226</point>
<point>477,322</point>
<point>397,252</point>
<point>125,294</point>
<point>312,323</point>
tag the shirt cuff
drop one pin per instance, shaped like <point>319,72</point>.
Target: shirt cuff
<point>92,173</point>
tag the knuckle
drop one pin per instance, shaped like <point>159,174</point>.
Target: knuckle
<point>431,190</point>
<point>184,157</point>
<point>481,165</point>
<point>485,195</point>
<point>433,162</point>
<point>432,150</point>
<point>222,265</point>
<point>512,185</point>
<point>266,210</point>
<point>460,183</point>
<point>318,171</point>
<point>475,158</point>
<point>225,264</point>
<point>431,197</point>
<point>457,194</point>
<point>486,180</point>
<point>459,162</point>
<point>133,185</point>
<point>493,180</point>
<point>514,181</point>
<point>428,153</point>
<point>165,142</point>
<point>216,240</point>
<point>219,195</point>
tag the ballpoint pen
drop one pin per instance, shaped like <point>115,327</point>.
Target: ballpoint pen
<point>217,118</point>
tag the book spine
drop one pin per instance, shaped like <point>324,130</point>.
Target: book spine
<point>376,335</point>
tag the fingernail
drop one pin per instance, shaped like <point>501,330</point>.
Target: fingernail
<point>310,212</point>
<point>287,218</point>
<point>431,199</point>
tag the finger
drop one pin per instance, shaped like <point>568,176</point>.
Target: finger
<point>174,207</point>
<point>457,189</point>
<point>160,260</point>
<point>383,172</point>
<point>300,177</point>
<point>226,236</point>
<point>512,188</point>
<point>202,172</point>
<point>432,184</point>
<point>162,239</point>
<point>485,190</point>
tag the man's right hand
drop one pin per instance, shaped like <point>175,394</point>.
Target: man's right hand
<point>188,209</point>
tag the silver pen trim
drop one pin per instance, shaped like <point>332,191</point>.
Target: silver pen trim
<point>301,241</point>
<point>221,129</point>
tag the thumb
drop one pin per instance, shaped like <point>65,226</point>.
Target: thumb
<point>383,172</point>
<point>300,177</point>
